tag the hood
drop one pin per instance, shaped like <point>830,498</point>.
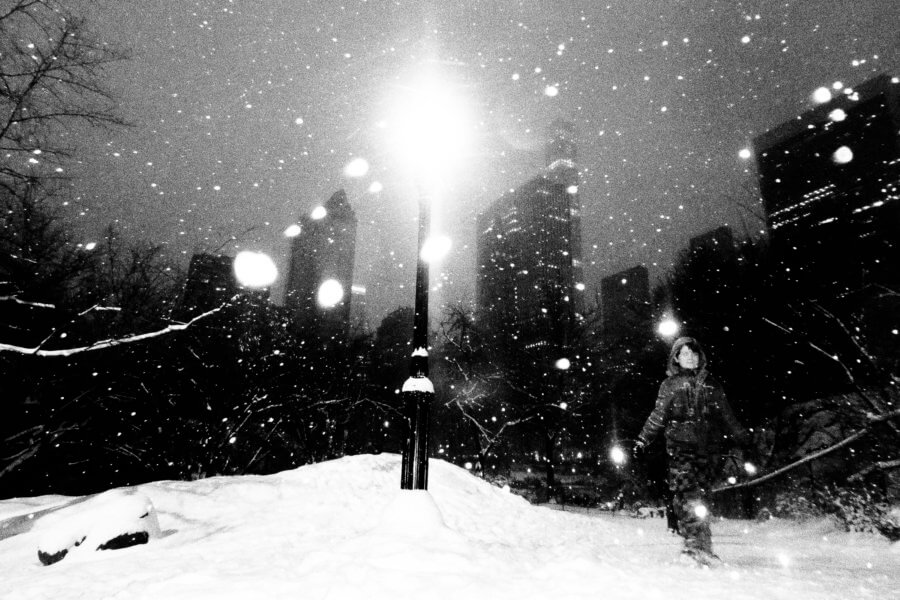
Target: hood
<point>673,368</point>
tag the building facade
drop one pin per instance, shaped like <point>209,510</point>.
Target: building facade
<point>830,183</point>
<point>320,276</point>
<point>625,306</point>
<point>529,284</point>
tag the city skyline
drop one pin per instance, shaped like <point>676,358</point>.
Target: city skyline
<point>245,120</point>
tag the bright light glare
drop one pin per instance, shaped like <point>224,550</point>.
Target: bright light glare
<point>430,127</point>
<point>617,455</point>
<point>837,115</point>
<point>842,155</point>
<point>375,187</point>
<point>90,246</point>
<point>330,293</point>
<point>701,511</point>
<point>357,167</point>
<point>292,230</point>
<point>750,468</point>
<point>668,328</point>
<point>254,269</point>
<point>563,364</point>
<point>435,248</point>
<point>318,213</point>
<point>821,95</point>
<point>745,153</point>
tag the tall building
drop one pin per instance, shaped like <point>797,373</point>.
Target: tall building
<point>529,283</point>
<point>211,282</point>
<point>318,290</point>
<point>625,303</point>
<point>830,182</point>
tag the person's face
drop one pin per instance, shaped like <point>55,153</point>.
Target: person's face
<point>687,358</point>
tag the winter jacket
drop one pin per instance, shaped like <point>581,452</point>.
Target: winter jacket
<point>692,408</point>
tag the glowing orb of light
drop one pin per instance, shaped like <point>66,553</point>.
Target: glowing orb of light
<point>90,246</point>
<point>617,455</point>
<point>318,213</point>
<point>750,468</point>
<point>254,269</point>
<point>330,293</point>
<point>579,286</point>
<point>563,364</point>
<point>356,168</point>
<point>732,480</point>
<point>701,511</point>
<point>292,230</point>
<point>468,466</point>
<point>551,90</point>
<point>668,328</point>
<point>435,248</point>
<point>821,95</point>
<point>745,153</point>
<point>375,187</point>
<point>842,155</point>
<point>837,85</point>
<point>837,115</point>
<point>572,189</point>
<point>298,121</point>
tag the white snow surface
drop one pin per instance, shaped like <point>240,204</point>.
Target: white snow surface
<point>343,529</point>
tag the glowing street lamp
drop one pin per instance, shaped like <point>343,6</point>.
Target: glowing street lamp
<point>428,132</point>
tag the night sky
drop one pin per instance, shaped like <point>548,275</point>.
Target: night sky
<point>246,113</point>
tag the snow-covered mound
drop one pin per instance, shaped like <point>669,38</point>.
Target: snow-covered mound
<point>343,529</point>
<point>110,521</point>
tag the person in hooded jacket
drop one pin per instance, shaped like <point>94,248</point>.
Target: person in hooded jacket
<point>696,418</point>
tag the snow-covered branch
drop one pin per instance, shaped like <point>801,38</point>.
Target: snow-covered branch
<point>101,345</point>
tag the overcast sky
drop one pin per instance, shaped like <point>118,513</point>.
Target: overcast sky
<point>246,114</point>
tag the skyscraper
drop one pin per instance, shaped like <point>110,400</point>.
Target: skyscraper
<point>625,303</point>
<point>210,283</point>
<point>830,182</point>
<point>529,272</point>
<point>318,290</point>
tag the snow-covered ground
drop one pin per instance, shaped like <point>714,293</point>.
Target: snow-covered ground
<point>343,529</point>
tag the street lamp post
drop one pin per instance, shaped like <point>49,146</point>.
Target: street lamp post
<point>429,128</point>
<point>418,391</point>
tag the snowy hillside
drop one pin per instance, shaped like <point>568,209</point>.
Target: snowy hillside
<point>343,529</point>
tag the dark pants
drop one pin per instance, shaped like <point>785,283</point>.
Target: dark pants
<point>689,476</point>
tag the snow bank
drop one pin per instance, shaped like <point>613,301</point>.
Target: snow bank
<point>343,529</point>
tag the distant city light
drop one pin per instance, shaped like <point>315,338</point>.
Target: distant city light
<point>668,327</point>
<point>318,213</point>
<point>821,95</point>
<point>330,293</point>
<point>842,155</point>
<point>292,230</point>
<point>357,167</point>
<point>254,269</point>
<point>745,153</point>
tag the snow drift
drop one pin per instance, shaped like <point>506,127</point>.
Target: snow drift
<point>343,529</point>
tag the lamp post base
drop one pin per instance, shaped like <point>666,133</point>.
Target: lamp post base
<point>418,394</point>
